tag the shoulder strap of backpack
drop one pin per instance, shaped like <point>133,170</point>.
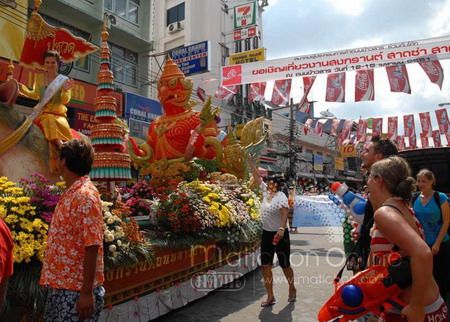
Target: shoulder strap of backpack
<point>414,197</point>
<point>437,199</point>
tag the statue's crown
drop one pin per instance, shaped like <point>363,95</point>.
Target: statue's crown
<point>171,70</point>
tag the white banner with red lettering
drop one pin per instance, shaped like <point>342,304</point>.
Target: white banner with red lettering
<point>364,85</point>
<point>337,61</point>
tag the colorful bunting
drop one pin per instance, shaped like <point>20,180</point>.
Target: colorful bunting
<point>281,92</point>
<point>425,123</point>
<point>398,79</point>
<point>256,92</point>
<point>434,71</point>
<point>392,128</point>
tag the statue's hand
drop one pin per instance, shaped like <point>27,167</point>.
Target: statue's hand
<point>68,84</point>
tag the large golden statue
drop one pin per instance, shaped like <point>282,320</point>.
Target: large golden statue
<point>180,133</point>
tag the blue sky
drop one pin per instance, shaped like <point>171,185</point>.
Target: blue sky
<point>298,27</point>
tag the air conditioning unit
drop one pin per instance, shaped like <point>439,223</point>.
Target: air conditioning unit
<point>175,27</point>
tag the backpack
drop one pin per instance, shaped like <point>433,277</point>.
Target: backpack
<point>437,200</point>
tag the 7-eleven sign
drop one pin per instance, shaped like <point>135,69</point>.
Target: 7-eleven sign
<point>244,15</point>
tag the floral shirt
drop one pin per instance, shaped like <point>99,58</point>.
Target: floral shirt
<point>77,223</point>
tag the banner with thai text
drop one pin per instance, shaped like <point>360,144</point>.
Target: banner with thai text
<point>425,123</point>
<point>442,120</point>
<point>364,85</point>
<point>337,61</point>
<point>398,79</point>
<point>377,126</point>
<point>69,47</point>
<point>256,92</point>
<point>335,88</point>
<point>434,71</point>
<point>436,138</point>
<point>281,92</point>
<point>392,128</point>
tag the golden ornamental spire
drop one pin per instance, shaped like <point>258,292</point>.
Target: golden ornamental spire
<point>37,4</point>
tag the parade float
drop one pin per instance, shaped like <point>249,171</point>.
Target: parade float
<point>202,225</point>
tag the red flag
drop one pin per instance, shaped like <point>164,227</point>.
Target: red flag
<point>226,93</point>
<point>318,129</point>
<point>334,126</point>
<point>42,37</point>
<point>345,133</point>
<point>362,130</point>
<point>436,138</point>
<point>413,142</point>
<point>442,119</point>
<point>408,123</point>
<point>256,92</point>
<point>400,143</point>
<point>425,123</point>
<point>424,140</point>
<point>392,128</point>
<point>398,79</point>
<point>434,71</point>
<point>307,126</point>
<point>377,126</point>
<point>307,84</point>
<point>336,88</point>
<point>364,85</point>
<point>281,92</point>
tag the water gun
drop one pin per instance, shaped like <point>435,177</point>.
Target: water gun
<point>375,290</point>
<point>355,203</point>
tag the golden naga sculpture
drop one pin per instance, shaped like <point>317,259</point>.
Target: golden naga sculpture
<point>180,133</point>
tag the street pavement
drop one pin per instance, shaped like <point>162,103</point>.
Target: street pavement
<point>316,256</point>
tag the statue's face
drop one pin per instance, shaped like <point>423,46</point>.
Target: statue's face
<point>175,92</point>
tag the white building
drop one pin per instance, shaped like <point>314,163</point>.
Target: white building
<point>178,23</point>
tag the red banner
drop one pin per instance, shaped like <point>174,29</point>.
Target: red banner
<point>334,126</point>
<point>425,123</point>
<point>345,133</point>
<point>307,84</point>
<point>377,126</point>
<point>408,123</point>
<point>392,128</point>
<point>400,143</point>
<point>442,119</point>
<point>412,142</point>
<point>318,129</point>
<point>256,92</point>
<point>364,85</point>
<point>436,138</point>
<point>42,37</point>
<point>448,139</point>
<point>307,126</point>
<point>335,88</point>
<point>424,140</point>
<point>281,92</point>
<point>226,93</point>
<point>434,71</point>
<point>362,130</point>
<point>398,79</point>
